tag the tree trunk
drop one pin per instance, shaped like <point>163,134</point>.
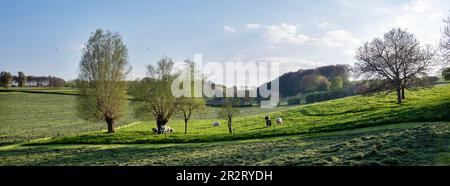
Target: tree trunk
<point>111,123</point>
<point>399,95</point>
<point>160,123</point>
<point>229,125</point>
<point>403,93</point>
<point>185,126</point>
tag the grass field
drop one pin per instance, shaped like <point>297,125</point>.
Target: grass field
<point>354,112</point>
<point>397,144</point>
<point>43,90</point>
<point>33,113</point>
<point>357,130</point>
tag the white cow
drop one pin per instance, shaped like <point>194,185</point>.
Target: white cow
<point>279,121</point>
<point>165,130</point>
<point>168,130</point>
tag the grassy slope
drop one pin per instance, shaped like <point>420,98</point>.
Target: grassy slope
<point>419,143</point>
<point>23,114</point>
<point>348,113</point>
<point>43,90</point>
<point>396,144</point>
<point>38,111</point>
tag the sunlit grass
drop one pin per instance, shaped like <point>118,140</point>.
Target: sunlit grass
<point>395,144</point>
<point>354,112</point>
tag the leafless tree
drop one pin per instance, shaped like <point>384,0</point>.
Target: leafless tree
<point>228,111</point>
<point>191,104</point>
<point>395,63</point>
<point>445,41</point>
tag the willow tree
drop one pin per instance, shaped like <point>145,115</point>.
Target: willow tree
<point>22,79</point>
<point>102,79</point>
<point>6,79</point>
<point>153,94</point>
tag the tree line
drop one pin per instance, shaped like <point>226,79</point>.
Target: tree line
<point>8,80</point>
<point>332,77</point>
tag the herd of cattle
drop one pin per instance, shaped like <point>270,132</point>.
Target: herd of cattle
<point>169,130</point>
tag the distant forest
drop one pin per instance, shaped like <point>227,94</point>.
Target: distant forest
<point>333,77</point>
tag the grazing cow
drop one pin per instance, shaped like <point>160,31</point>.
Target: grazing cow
<point>268,121</point>
<point>168,130</point>
<point>279,121</point>
<point>164,129</point>
<point>216,124</point>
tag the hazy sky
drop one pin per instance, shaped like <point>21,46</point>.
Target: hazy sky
<point>298,34</point>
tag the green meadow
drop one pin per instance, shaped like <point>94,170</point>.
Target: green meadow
<point>359,130</point>
<point>421,143</point>
<point>340,114</point>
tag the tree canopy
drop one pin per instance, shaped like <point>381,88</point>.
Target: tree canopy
<point>6,79</point>
<point>154,95</point>
<point>102,79</point>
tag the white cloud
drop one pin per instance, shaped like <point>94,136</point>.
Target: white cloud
<point>285,33</point>
<point>288,34</point>
<point>286,64</point>
<point>338,38</point>
<point>252,26</point>
<point>324,25</point>
<point>140,28</point>
<point>421,17</point>
<point>291,64</point>
<point>76,47</point>
<point>348,3</point>
<point>419,6</point>
<point>229,28</point>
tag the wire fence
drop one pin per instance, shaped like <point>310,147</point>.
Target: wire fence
<point>196,135</point>
<point>11,136</point>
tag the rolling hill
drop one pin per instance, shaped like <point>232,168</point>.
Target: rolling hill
<point>357,130</point>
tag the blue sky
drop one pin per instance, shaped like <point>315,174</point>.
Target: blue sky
<point>298,34</point>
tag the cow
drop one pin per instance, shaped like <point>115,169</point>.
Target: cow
<point>215,124</point>
<point>279,121</point>
<point>268,121</point>
<point>164,130</point>
<point>168,130</point>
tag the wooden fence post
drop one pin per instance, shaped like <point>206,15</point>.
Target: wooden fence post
<point>314,126</point>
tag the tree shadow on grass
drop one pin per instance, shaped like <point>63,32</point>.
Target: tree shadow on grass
<point>411,146</point>
<point>425,113</point>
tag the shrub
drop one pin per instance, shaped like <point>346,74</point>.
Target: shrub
<point>446,74</point>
